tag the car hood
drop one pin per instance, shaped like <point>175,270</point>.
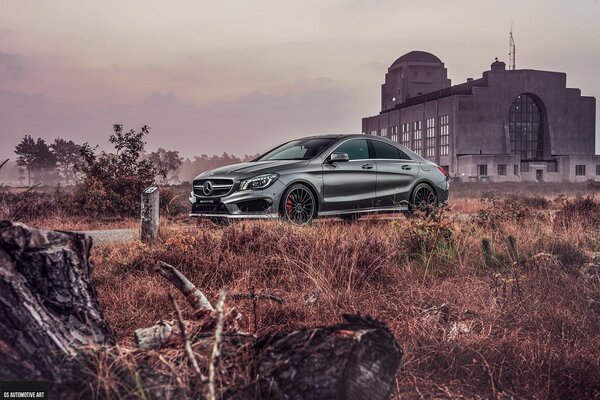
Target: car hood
<point>250,169</point>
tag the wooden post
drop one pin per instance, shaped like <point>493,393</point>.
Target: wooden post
<point>150,214</point>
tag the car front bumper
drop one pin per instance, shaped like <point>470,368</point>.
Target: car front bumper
<point>260,204</point>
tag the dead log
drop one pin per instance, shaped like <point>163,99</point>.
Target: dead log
<point>356,360</point>
<point>48,306</point>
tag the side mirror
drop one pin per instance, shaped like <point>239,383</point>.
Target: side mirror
<point>338,157</point>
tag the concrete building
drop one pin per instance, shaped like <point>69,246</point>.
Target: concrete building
<point>508,125</point>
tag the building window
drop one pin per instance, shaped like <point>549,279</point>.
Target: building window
<point>525,128</point>
<point>373,133</point>
<point>417,137</point>
<point>501,169</point>
<point>580,170</point>
<point>597,169</point>
<point>444,135</point>
<point>516,169</point>
<point>383,132</point>
<point>482,169</point>
<point>405,135</point>
<point>430,138</point>
<point>524,167</point>
<point>394,132</point>
<point>553,167</point>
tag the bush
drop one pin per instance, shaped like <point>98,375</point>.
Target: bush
<point>112,182</point>
<point>27,206</point>
<point>581,210</point>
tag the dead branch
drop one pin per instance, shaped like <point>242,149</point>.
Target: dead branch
<point>194,297</point>
<point>155,336</point>
<point>33,187</point>
<point>216,352</point>
<point>186,340</point>
<point>257,296</point>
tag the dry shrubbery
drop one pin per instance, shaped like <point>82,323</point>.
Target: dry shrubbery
<point>521,320</point>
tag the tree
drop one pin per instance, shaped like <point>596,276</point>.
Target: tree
<point>44,161</point>
<point>21,175</point>
<point>112,182</point>
<point>67,154</point>
<point>168,162</point>
<point>26,153</point>
<point>36,157</point>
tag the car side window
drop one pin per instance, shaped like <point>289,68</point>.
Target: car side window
<point>388,152</point>
<point>357,149</point>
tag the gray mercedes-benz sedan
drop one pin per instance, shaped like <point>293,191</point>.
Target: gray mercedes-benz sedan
<point>329,175</point>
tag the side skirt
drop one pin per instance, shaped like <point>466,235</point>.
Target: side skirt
<point>403,207</point>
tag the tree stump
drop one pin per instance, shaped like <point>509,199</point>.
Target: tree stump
<point>48,306</point>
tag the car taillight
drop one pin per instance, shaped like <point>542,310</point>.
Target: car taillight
<point>443,172</point>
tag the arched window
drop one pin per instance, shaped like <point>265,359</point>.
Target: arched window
<point>525,128</point>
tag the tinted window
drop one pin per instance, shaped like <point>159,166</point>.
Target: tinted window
<point>302,149</point>
<point>387,151</point>
<point>356,149</point>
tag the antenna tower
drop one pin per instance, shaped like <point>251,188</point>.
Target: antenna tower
<point>511,50</point>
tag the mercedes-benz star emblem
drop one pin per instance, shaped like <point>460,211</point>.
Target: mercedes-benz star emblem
<point>207,188</point>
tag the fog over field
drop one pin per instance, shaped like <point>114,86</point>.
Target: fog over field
<point>240,77</point>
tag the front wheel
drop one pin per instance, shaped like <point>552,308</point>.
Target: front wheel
<point>299,205</point>
<point>423,199</point>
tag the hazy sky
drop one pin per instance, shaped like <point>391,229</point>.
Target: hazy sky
<point>241,76</point>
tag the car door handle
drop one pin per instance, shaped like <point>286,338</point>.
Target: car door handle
<point>405,167</point>
<point>367,166</point>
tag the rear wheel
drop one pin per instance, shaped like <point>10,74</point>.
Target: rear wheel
<point>423,198</point>
<point>299,205</point>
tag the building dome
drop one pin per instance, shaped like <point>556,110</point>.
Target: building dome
<point>417,56</point>
<point>498,65</point>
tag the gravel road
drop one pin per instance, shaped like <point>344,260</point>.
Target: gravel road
<point>112,235</point>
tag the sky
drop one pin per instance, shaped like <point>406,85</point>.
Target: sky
<point>242,76</point>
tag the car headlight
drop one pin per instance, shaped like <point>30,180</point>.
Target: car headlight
<point>258,182</point>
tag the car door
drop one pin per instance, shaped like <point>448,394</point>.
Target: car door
<point>350,185</point>
<point>396,173</point>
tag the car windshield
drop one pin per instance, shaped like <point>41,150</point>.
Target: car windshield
<point>302,149</point>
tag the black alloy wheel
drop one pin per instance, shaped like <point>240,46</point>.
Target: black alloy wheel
<point>299,205</point>
<point>424,198</point>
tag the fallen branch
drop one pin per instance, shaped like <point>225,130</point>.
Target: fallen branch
<point>194,297</point>
<point>33,187</point>
<point>257,296</point>
<point>186,340</point>
<point>216,350</point>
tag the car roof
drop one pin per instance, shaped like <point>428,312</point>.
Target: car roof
<point>332,136</point>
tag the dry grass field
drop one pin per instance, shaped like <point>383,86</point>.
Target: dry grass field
<point>502,303</point>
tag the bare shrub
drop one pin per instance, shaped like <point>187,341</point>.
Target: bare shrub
<point>26,207</point>
<point>581,210</point>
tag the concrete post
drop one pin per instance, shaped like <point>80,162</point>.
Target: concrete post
<point>150,214</point>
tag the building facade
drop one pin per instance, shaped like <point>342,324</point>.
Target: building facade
<point>508,125</point>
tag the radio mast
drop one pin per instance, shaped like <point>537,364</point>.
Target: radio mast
<point>511,50</point>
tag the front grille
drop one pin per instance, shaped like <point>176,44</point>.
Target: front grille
<point>209,208</point>
<point>221,187</point>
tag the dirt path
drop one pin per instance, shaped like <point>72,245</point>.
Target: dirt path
<point>112,235</point>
